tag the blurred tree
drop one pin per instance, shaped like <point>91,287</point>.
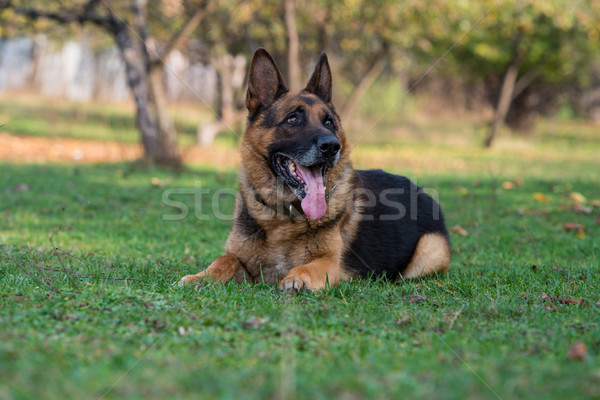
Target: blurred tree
<point>143,37</point>
<point>369,35</point>
<point>239,27</point>
<point>294,32</point>
<point>510,45</point>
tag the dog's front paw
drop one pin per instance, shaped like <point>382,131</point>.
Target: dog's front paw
<point>296,281</point>
<point>191,279</point>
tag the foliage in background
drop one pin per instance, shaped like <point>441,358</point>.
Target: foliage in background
<point>522,58</point>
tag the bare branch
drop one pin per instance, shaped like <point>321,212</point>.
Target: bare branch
<point>525,80</point>
<point>59,255</point>
<point>26,265</point>
<point>187,29</point>
<point>67,16</point>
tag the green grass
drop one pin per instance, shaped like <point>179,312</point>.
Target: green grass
<point>124,330</point>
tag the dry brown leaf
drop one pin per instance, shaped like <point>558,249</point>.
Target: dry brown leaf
<point>572,300</point>
<point>578,351</point>
<point>459,229</point>
<point>417,299</point>
<point>21,187</point>
<point>574,226</point>
<point>255,322</point>
<point>518,181</point>
<point>403,320</point>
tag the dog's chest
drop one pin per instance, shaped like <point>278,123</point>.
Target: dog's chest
<point>271,256</point>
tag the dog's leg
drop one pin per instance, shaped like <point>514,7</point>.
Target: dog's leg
<point>224,268</point>
<point>314,275</point>
<point>431,255</point>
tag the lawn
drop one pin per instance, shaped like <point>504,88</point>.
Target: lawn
<point>89,307</point>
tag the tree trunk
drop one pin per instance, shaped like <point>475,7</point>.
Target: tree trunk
<point>227,108</point>
<point>167,132</point>
<point>506,97</point>
<point>137,80</point>
<point>360,89</point>
<point>158,128</point>
<point>229,69</point>
<point>294,73</point>
<point>143,70</point>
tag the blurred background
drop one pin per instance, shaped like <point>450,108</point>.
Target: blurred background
<point>108,80</point>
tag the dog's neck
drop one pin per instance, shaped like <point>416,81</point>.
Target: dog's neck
<point>289,209</point>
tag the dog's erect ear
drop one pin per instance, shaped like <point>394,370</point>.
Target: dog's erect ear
<point>264,82</point>
<point>320,81</point>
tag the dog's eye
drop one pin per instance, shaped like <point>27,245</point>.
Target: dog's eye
<point>293,120</point>
<point>328,123</point>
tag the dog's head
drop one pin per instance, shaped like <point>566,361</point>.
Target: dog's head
<point>298,138</point>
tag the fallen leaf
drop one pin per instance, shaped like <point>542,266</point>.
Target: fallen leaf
<point>518,181</point>
<point>508,185</point>
<point>21,187</point>
<point>577,197</point>
<point>578,351</point>
<point>159,182</point>
<point>417,299</point>
<point>459,229</point>
<point>404,320</point>
<point>255,322</point>
<point>578,207</point>
<point>541,197</point>
<point>534,268</point>
<point>573,300</point>
<point>573,226</point>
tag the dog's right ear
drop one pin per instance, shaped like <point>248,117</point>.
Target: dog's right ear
<point>265,83</point>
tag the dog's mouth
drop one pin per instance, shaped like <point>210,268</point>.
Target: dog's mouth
<point>307,183</point>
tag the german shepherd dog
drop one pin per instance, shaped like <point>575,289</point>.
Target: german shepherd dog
<point>304,218</point>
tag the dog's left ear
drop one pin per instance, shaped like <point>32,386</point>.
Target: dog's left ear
<point>320,81</point>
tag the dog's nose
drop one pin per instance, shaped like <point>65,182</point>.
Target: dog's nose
<point>328,145</point>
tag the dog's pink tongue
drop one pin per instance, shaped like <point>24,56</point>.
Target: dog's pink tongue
<point>314,204</point>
